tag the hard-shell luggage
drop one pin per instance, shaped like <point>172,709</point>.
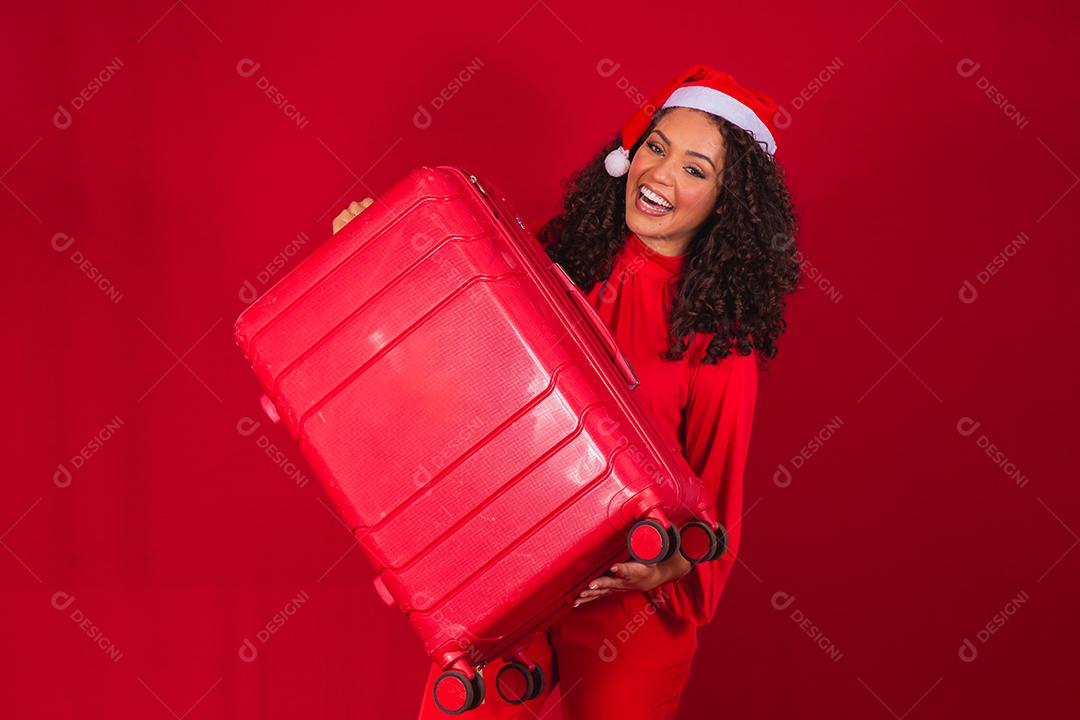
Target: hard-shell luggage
<point>472,418</point>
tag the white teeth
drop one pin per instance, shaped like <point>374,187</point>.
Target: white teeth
<point>654,197</point>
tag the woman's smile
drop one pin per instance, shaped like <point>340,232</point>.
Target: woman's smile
<point>653,203</point>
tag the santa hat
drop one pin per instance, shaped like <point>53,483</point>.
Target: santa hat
<point>703,88</point>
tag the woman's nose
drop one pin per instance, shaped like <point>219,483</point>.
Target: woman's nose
<point>663,172</point>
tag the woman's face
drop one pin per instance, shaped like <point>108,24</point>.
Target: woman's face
<point>681,160</point>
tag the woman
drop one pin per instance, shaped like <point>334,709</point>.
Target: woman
<point>680,232</point>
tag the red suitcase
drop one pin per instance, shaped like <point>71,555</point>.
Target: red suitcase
<point>472,418</point>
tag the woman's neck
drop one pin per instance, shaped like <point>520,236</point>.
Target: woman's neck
<point>670,247</point>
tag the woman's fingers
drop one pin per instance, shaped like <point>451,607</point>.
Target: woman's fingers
<point>628,576</point>
<point>592,595</point>
<point>623,576</point>
<point>340,221</point>
<point>354,209</point>
<point>599,587</point>
<point>609,581</point>
<point>633,573</point>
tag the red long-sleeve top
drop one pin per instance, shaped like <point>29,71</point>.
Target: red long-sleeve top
<point>706,409</point>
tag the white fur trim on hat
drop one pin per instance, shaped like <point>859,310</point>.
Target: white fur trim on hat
<point>713,101</point>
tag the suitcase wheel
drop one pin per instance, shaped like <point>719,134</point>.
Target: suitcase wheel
<point>269,409</point>
<point>478,685</point>
<point>721,543</point>
<point>538,681</point>
<point>455,693</point>
<point>676,541</point>
<point>515,683</point>
<point>648,542</point>
<point>699,541</point>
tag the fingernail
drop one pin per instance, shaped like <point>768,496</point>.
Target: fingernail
<point>575,603</point>
<point>614,568</point>
<point>592,586</point>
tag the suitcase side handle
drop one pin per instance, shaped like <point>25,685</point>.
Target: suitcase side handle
<point>598,326</point>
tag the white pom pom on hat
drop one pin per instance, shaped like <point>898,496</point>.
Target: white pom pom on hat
<point>617,162</point>
<point>702,88</point>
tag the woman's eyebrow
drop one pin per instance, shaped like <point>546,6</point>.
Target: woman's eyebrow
<point>706,158</point>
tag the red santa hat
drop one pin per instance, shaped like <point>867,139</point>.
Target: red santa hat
<point>703,88</point>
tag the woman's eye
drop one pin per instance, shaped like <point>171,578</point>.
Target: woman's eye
<point>656,149</point>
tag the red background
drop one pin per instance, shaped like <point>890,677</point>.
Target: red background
<point>179,179</point>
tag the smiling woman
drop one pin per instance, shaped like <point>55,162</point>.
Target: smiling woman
<point>697,179</point>
<point>672,187</point>
<point>680,234</point>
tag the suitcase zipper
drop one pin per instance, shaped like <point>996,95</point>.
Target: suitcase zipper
<point>476,182</point>
<point>622,364</point>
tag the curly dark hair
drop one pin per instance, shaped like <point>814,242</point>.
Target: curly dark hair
<point>739,264</point>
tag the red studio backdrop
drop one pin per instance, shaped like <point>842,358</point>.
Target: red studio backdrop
<point>909,548</point>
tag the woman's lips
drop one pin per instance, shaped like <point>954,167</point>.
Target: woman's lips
<point>648,208</point>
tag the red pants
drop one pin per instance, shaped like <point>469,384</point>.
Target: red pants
<point>617,657</point>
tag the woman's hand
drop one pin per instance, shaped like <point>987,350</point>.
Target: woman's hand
<point>354,209</point>
<point>635,576</point>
